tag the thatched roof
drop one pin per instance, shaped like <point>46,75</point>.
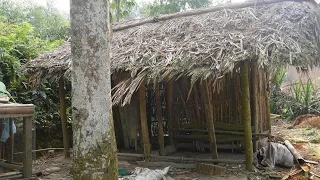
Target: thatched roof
<point>204,45</point>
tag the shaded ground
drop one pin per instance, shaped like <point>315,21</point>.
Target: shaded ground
<point>304,139</point>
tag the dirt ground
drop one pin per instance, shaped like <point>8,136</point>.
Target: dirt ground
<point>306,140</point>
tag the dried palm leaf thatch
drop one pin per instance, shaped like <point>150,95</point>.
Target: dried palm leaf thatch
<point>199,46</point>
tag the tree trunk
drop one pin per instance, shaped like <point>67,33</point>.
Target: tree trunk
<point>94,145</point>
<point>63,116</point>
<point>246,116</point>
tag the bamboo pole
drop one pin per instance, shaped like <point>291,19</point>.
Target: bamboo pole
<point>159,118</point>
<point>209,118</point>
<point>63,116</point>
<point>144,123</point>
<point>268,104</point>
<point>255,105</point>
<point>246,116</point>
<point>182,159</point>
<point>170,109</point>
<point>197,12</point>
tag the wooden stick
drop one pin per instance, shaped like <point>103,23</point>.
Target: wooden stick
<point>183,159</point>
<point>196,101</point>
<point>246,116</point>
<point>209,118</point>
<point>170,109</point>
<point>63,117</point>
<point>159,118</point>
<point>144,123</point>
<point>197,12</point>
<point>294,152</point>
<point>221,132</point>
<point>185,107</point>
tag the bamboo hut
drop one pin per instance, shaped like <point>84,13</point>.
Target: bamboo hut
<point>199,78</point>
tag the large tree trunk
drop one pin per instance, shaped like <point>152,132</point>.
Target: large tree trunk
<point>94,145</point>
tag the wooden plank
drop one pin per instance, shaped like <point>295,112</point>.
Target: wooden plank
<point>144,123</point>
<point>27,141</point>
<point>209,118</point>
<point>63,117</point>
<point>170,87</point>
<point>159,118</point>
<point>246,116</point>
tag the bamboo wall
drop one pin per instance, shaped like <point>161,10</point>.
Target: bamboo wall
<point>189,123</point>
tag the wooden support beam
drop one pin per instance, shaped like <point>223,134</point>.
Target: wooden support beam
<point>246,116</point>
<point>144,123</point>
<point>268,102</point>
<point>170,87</point>
<point>159,118</point>
<point>209,118</point>
<point>255,94</point>
<point>63,117</point>
<point>196,102</point>
<point>27,152</point>
<point>11,141</point>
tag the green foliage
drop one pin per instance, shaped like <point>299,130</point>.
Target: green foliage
<point>120,9</point>
<point>48,22</point>
<point>300,98</point>
<point>28,31</point>
<point>171,6</point>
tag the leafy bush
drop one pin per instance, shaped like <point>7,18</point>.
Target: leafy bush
<point>301,98</point>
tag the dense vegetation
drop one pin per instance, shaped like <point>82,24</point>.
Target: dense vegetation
<point>27,31</point>
<point>296,98</point>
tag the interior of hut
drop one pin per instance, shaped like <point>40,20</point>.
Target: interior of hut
<point>180,107</point>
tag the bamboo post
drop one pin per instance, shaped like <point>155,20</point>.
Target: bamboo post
<point>255,105</point>
<point>27,146</point>
<point>144,123</point>
<point>63,116</point>
<point>195,97</point>
<point>267,101</point>
<point>170,109</point>
<point>209,118</point>
<point>11,141</point>
<point>159,117</point>
<point>246,116</point>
